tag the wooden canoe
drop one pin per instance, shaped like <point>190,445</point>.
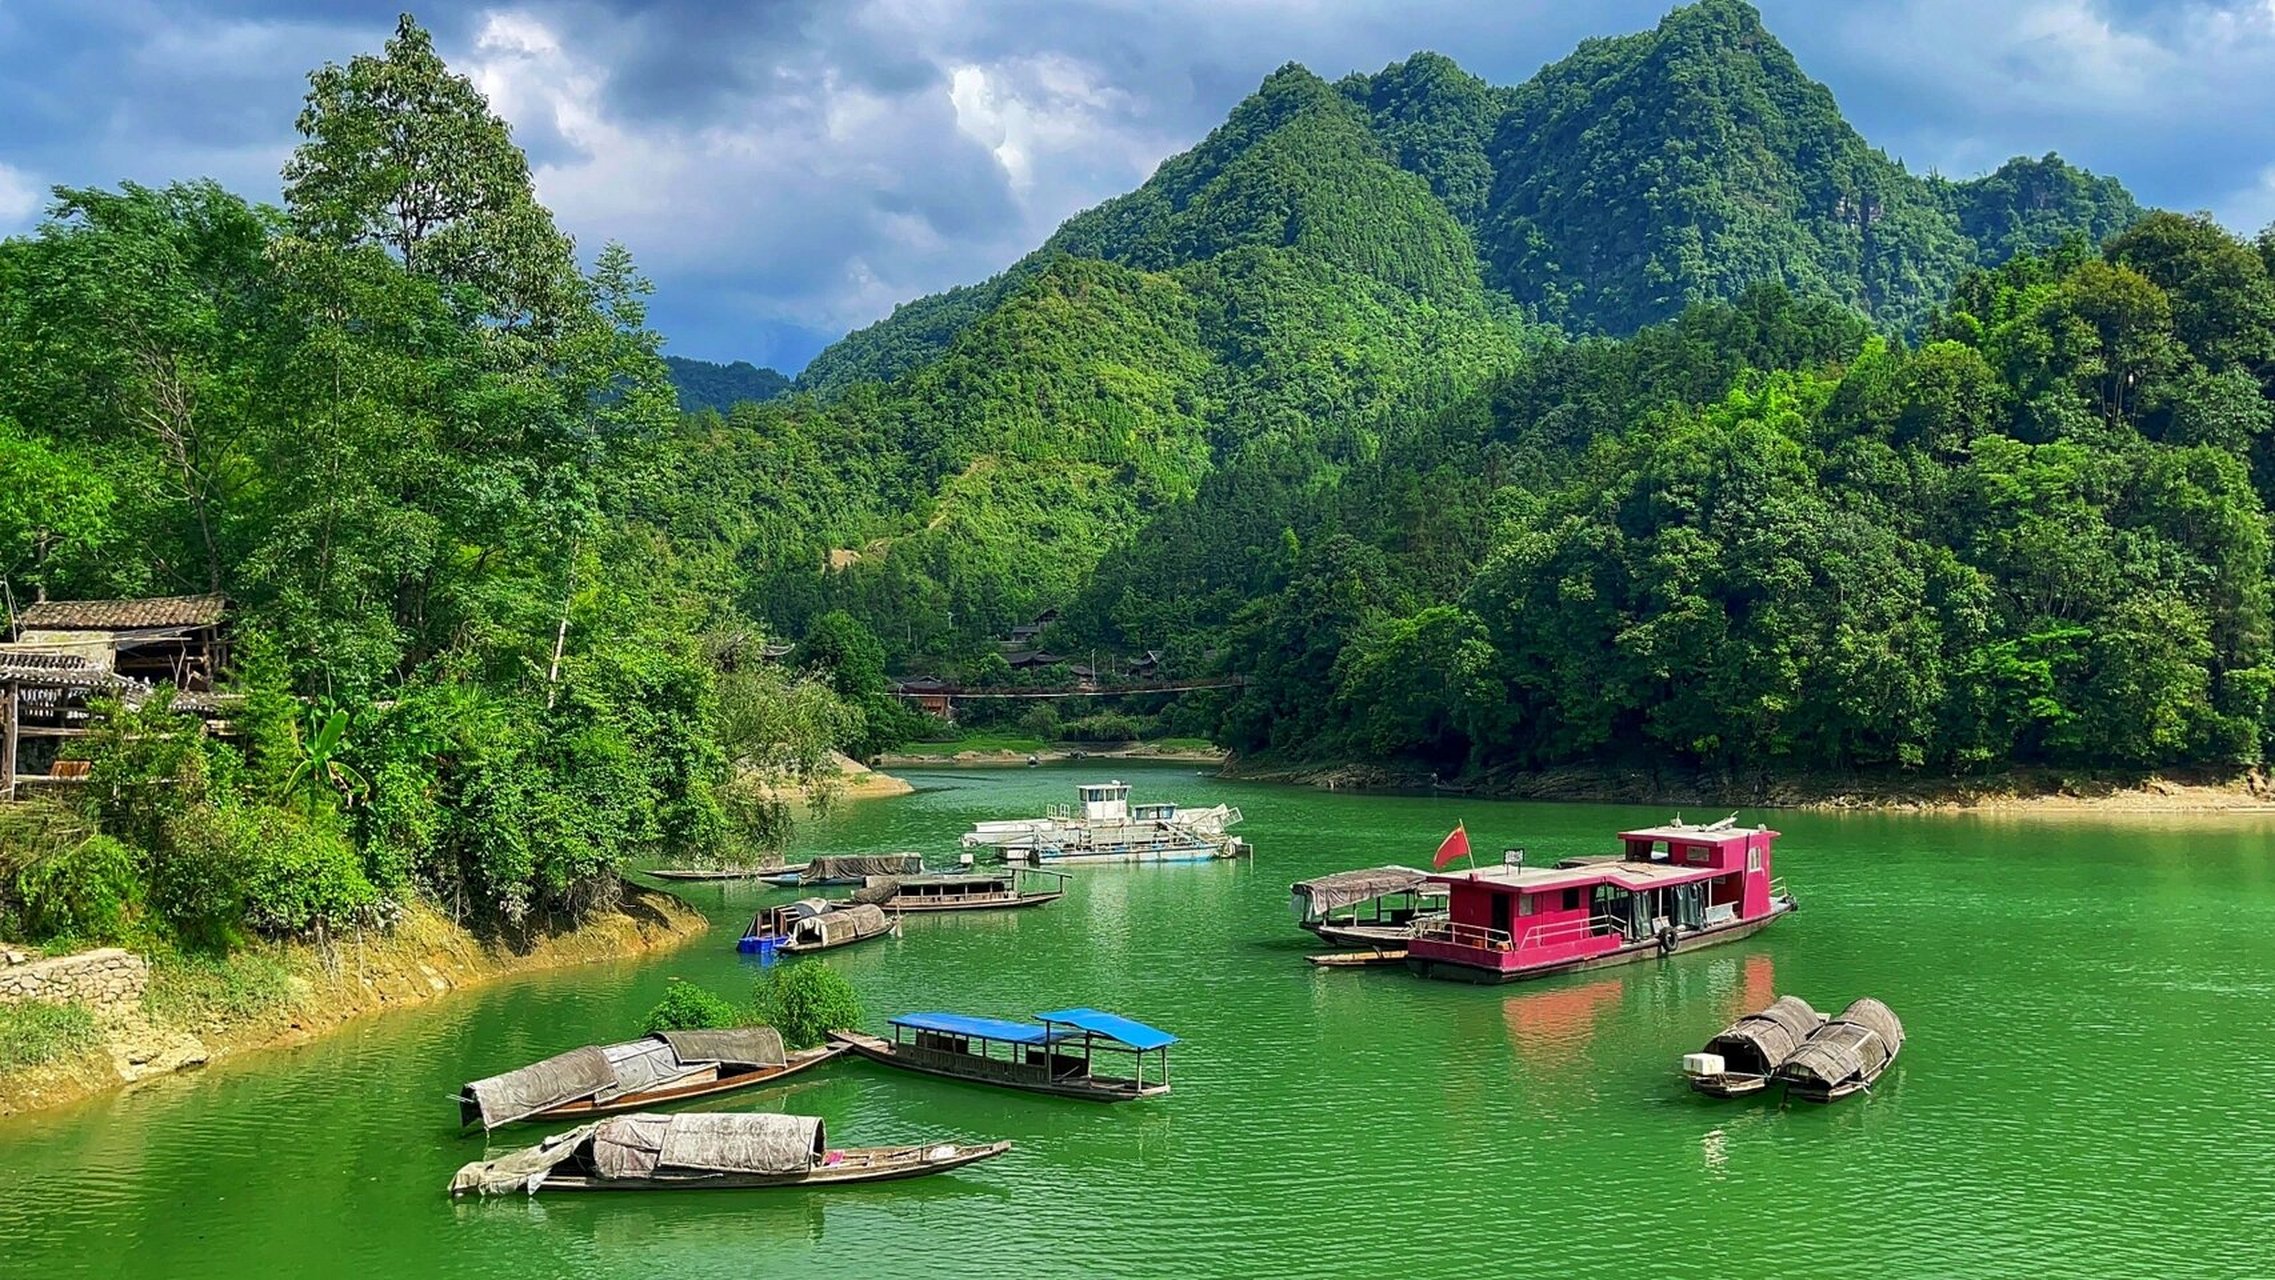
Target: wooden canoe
<point>856,1164</point>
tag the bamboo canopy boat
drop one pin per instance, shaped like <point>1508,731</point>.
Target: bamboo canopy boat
<point>840,869</point>
<point>1743,1057</point>
<point>670,1066</point>
<point>972,890</point>
<point>1374,907</point>
<point>815,924</point>
<point>718,1150</point>
<point>1844,1056</point>
<point>1056,1053</point>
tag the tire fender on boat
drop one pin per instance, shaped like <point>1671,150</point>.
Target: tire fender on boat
<point>1666,940</point>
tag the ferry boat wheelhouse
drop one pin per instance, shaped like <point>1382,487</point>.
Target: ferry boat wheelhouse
<point>1671,887</point>
<point>1103,826</point>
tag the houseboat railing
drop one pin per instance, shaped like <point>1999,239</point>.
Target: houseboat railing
<point>1549,935</point>
<point>1777,888</point>
<point>1464,935</point>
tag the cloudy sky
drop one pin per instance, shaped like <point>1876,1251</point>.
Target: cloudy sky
<point>789,169</point>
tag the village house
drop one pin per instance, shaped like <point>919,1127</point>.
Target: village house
<point>63,656</point>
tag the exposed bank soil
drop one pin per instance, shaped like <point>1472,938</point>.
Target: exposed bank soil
<point>424,956</point>
<point>865,783</point>
<point>2016,791</point>
<point>1051,755</point>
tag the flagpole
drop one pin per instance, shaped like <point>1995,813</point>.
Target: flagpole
<point>1466,850</point>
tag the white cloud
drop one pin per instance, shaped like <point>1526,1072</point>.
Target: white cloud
<point>20,198</point>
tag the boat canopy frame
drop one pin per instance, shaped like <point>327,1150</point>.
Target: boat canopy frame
<point>1093,1029</point>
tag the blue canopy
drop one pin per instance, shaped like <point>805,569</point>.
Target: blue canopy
<point>958,1024</point>
<point>1136,1035</point>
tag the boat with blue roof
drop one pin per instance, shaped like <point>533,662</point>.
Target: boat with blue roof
<point>1057,1052</point>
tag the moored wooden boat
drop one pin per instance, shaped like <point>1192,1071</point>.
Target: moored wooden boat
<point>841,869</point>
<point>1055,1054</point>
<point>1745,1055</point>
<point>1381,958</point>
<point>657,1070</point>
<point>1375,907</point>
<point>973,890</point>
<point>1846,1055</point>
<point>814,924</point>
<point>699,874</point>
<point>706,1151</point>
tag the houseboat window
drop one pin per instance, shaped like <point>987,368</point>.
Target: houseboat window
<point>1753,859</point>
<point>1524,904</point>
<point>1694,853</point>
<point>1571,899</point>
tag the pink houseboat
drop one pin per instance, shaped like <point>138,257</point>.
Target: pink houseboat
<point>1672,887</point>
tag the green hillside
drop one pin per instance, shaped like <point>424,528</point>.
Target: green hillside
<point>1620,184</point>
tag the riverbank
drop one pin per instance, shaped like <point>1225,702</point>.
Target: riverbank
<point>2014,791</point>
<point>933,754</point>
<point>194,1011</point>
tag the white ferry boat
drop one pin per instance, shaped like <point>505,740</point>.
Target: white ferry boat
<point>1104,827</point>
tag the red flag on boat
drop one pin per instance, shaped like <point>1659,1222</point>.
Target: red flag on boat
<point>1454,846</point>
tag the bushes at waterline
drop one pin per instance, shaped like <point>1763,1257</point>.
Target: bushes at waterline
<point>687,1007</point>
<point>805,1000</point>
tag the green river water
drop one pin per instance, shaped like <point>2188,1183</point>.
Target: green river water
<point>2086,1089</point>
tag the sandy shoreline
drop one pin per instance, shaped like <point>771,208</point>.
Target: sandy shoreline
<point>2018,791</point>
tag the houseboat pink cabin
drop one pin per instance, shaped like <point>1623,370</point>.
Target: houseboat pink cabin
<point>1671,887</point>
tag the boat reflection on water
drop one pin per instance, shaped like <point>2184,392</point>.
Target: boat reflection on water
<point>1553,1027</point>
<point>1757,984</point>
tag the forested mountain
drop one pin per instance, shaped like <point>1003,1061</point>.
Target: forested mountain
<point>1638,415</point>
<point>703,384</point>
<point>1617,186</point>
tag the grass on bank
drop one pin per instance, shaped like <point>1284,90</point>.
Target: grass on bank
<point>191,990</point>
<point>34,1034</point>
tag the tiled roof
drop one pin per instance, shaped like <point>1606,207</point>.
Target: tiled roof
<point>121,615</point>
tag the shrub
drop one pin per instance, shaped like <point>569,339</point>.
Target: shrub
<point>687,1007</point>
<point>35,1033</point>
<point>84,892</point>
<point>805,1000</point>
<point>1108,726</point>
<point>256,865</point>
<point>1041,720</point>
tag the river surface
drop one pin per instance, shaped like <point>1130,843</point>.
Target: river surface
<point>2086,1090</point>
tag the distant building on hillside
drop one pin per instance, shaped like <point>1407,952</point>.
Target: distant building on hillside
<point>62,656</point>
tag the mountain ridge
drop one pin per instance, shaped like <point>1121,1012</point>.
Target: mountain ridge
<point>1636,175</point>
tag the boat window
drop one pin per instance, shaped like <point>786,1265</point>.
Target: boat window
<point>1695,853</point>
<point>1753,859</point>
<point>1572,899</point>
<point>1524,903</point>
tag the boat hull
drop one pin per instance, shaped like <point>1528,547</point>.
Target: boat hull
<point>1648,948</point>
<point>860,1164</point>
<point>799,1061</point>
<point>1728,1085</point>
<point>917,906</point>
<point>879,1050</point>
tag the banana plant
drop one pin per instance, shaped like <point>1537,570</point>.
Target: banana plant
<point>320,768</point>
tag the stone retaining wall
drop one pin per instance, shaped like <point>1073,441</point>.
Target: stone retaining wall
<point>109,981</point>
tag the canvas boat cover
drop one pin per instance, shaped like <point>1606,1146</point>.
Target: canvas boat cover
<point>1855,1045</point>
<point>608,1072</point>
<point>640,1146</point>
<point>879,891</point>
<point>522,1170</point>
<point>729,1046</point>
<point>846,924</point>
<point>1318,896</point>
<point>860,866</point>
<point>1765,1038</point>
